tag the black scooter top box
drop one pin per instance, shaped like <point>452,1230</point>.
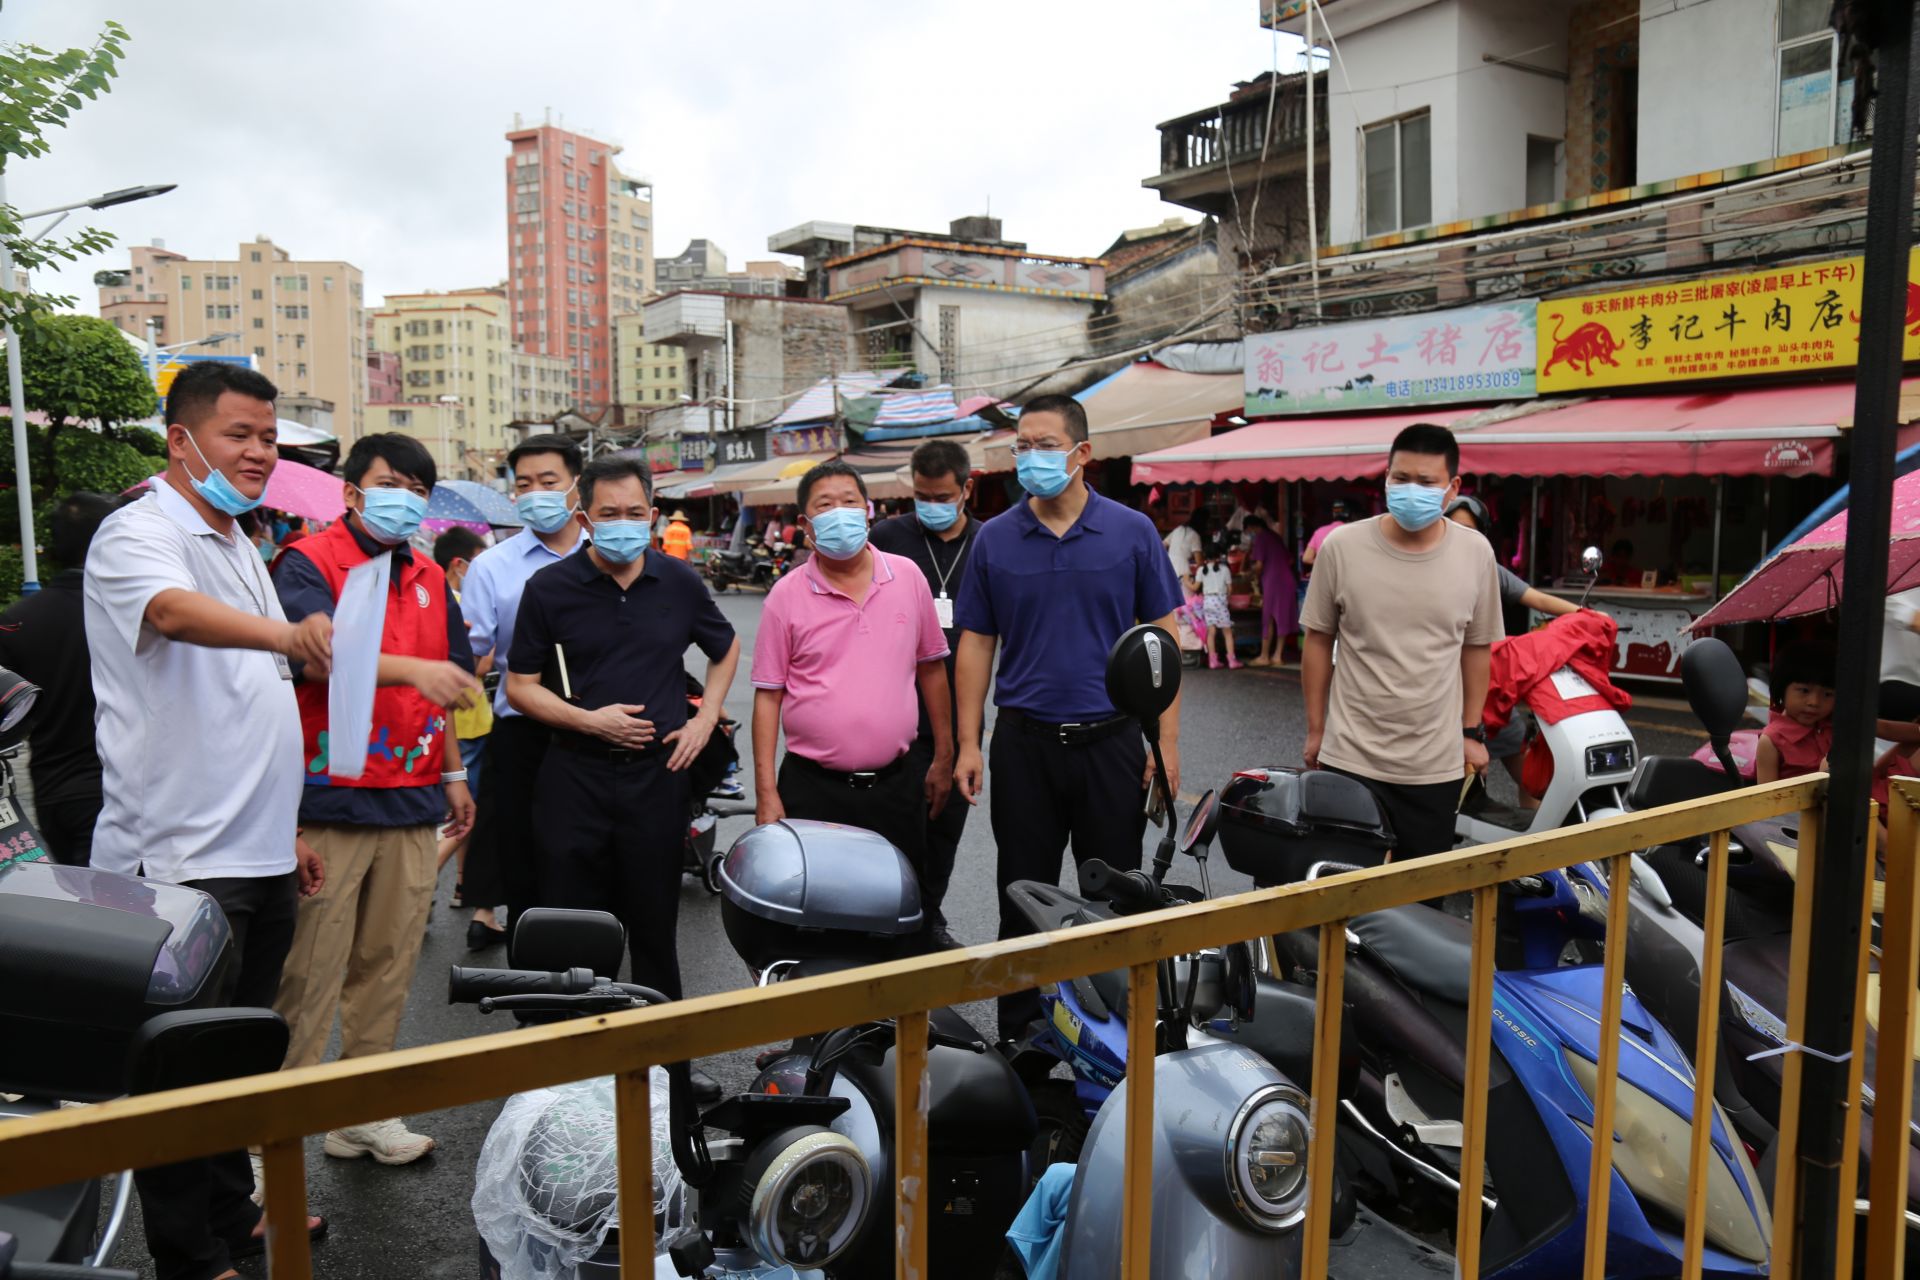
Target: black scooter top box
<point>86,957</point>
<point>799,890</point>
<point>1275,823</point>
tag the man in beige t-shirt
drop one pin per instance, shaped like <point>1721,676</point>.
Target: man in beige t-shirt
<point>1415,605</point>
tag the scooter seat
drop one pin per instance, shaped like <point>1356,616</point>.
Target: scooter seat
<point>1428,950</point>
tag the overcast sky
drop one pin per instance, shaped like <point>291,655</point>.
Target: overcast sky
<point>373,131</point>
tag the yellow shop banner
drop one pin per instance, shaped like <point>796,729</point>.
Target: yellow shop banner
<point>1779,320</point>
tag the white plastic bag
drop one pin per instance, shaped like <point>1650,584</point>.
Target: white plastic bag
<point>546,1188</point>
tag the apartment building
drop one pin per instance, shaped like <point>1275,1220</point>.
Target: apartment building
<point>303,320</point>
<point>649,375</point>
<point>579,250</point>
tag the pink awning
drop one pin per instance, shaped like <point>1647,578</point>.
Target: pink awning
<point>1785,431</point>
<point>1347,448</point>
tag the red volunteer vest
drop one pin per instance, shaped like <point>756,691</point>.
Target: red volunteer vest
<point>408,731</point>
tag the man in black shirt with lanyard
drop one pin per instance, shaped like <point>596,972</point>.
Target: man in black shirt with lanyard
<point>936,536</point>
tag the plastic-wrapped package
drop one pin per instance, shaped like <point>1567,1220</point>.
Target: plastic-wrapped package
<point>546,1188</point>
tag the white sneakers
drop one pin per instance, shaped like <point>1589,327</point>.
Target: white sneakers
<point>387,1141</point>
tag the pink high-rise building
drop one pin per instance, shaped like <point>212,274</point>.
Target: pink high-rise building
<point>579,250</point>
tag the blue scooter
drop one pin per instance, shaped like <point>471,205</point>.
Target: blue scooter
<point>1406,986</point>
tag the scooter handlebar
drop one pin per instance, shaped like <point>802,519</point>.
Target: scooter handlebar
<point>469,986</point>
<point>1127,892</point>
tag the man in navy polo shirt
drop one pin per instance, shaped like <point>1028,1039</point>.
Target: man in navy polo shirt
<point>1053,582</point>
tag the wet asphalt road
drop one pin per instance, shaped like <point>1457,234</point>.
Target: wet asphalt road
<point>415,1220</point>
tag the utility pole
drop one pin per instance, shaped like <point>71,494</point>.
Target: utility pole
<point>1841,859</point>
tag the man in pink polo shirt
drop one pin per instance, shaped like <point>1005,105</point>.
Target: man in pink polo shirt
<point>842,644</point>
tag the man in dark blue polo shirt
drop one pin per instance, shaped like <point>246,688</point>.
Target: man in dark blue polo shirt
<point>598,654</point>
<point>1053,582</point>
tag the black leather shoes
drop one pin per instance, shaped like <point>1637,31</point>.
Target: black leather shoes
<point>480,936</point>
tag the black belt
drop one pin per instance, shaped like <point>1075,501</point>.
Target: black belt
<point>599,749</point>
<point>859,779</point>
<point>1074,733</point>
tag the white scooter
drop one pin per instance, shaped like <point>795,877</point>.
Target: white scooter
<point>1593,757</point>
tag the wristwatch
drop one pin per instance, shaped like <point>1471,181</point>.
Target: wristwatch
<point>1478,732</point>
<point>453,775</point>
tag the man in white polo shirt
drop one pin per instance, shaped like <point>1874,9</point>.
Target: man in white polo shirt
<point>190,653</point>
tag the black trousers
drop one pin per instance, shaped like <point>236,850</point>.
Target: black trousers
<point>1422,813</point>
<point>66,827</point>
<point>894,807</point>
<point>195,1210</point>
<point>943,839</point>
<point>501,858</point>
<point>1044,795</point>
<point>611,837</point>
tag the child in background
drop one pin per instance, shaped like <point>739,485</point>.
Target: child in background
<point>1216,582</point>
<point>1799,733</point>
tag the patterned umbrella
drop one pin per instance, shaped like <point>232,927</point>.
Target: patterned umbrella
<point>1806,577</point>
<point>471,502</point>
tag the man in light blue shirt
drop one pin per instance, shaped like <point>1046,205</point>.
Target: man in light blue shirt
<point>500,868</point>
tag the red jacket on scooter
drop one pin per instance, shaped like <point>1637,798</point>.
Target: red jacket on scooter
<point>1523,669</point>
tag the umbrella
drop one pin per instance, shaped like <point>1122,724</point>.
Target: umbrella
<point>1805,577</point>
<point>301,490</point>
<point>471,502</point>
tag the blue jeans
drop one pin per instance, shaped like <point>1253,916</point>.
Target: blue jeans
<point>472,752</point>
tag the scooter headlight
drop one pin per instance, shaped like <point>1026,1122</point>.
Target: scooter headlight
<point>1267,1158</point>
<point>810,1198</point>
<point>1650,1148</point>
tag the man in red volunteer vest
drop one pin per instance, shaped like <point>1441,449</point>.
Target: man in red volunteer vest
<point>356,941</point>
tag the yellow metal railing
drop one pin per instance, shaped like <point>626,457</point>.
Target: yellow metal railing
<point>276,1112</point>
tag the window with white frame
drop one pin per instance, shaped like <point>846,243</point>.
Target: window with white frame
<point>1398,157</point>
<point>1814,106</point>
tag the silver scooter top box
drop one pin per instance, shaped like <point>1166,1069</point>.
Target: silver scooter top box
<point>800,890</point>
<point>87,957</point>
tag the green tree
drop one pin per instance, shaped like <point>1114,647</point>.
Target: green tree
<point>40,90</point>
<point>81,369</point>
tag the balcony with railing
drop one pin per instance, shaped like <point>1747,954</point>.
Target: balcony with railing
<point>1259,133</point>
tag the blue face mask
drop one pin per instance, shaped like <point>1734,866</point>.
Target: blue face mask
<point>622,541</point>
<point>543,511</point>
<point>1415,506</point>
<point>217,491</point>
<point>936,516</point>
<point>392,515</point>
<point>1043,472</point>
<point>839,533</point>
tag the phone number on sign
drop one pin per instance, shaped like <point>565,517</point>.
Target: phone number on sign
<point>1502,380</point>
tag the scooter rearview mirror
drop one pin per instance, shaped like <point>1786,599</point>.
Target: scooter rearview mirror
<point>1717,691</point>
<point>1590,561</point>
<point>1201,821</point>
<point>1143,675</point>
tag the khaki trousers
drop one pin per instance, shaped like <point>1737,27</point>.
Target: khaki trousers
<point>357,940</point>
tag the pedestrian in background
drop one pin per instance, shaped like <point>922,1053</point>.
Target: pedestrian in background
<point>1052,583</point>
<point>1342,512</point>
<point>356,942</point>
<point>1279,590</point>
<point>599,657</point>
<point>842,646</point>
<point>500,860</point>
<point>190,647</point>
<point>936,536</point>
<point>454,551</point>
<point>43,637</point>
<point>1414,603</point>
<point>677,539</point>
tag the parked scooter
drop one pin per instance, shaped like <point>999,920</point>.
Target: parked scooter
<point>1230,1130</point>
<point>710,797</point>
<point>1666,943</point>
<point>779,1198</point>
<point>756,565</point>
<point>104,983</point>
<point>11,1270</point>
<point>1583,742</point>
<point>1407,980</point>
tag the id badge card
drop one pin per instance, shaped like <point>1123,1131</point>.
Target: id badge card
<point>943,611</point>
<point>284,667</point>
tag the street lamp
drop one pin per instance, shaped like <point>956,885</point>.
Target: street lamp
<point>16,386</point>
